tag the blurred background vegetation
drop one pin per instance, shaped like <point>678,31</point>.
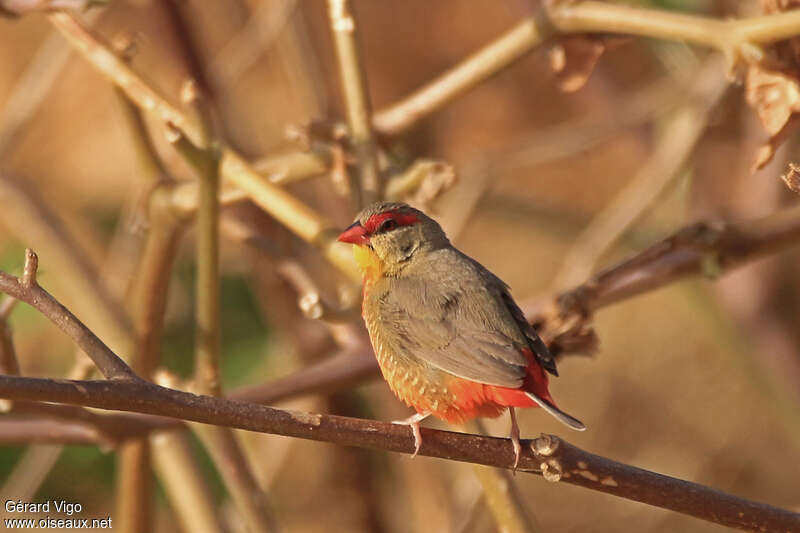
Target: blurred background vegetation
<point>672,387</point>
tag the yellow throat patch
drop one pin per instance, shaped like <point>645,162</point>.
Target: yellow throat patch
<point>368,262</point>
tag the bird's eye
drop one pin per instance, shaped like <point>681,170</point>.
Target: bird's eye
<point>388,225</point>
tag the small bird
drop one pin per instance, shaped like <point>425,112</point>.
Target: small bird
<point>449,339</point>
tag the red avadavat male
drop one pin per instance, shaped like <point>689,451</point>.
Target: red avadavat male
<point>450,340</point>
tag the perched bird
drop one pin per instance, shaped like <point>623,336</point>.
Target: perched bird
<point>449,339</point>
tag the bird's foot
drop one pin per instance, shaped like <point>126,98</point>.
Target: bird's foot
<point>413,422</point>
<point>515,439</point>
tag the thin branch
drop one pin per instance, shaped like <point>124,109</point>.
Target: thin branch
<point>309,298</point>
<point>486,62</point>
<point>139,91</point>
<point>221,443</point>
<point>20,432</point>
<point>729,36</point>
<point>502,494</point>
<point>284,207</point>
<point>707,248</point>
<point>333,373</point>
<point>38,459</point>
<point>680,135</point>
<point>34,221</point>
<point>353,79</point>
<point>8,356</point>
<point>548,455</point>
<point>184,482</point>
<point>295,166</point>
<point>107,361</point>
<point>289,211</point>
<point>229,458</point>
<point>134,486</point>
<point>208,335</point>
<point>30,471</point>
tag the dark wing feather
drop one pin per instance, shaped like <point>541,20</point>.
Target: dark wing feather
<point>539,348</point>
<point>460,324</point>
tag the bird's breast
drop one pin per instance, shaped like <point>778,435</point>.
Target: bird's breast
<point>418,385</point>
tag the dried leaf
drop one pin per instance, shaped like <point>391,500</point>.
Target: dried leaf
<point>773,87</point>
<point>792,178</point>
<point>773,94</point>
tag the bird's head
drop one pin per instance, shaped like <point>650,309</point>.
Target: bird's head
<point>389,235</point>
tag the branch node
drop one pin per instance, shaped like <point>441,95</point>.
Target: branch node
<point>551,470</point>
<point>545,446</point>
<point>29,271</point>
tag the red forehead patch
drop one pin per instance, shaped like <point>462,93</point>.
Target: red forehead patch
<point>403,219</point>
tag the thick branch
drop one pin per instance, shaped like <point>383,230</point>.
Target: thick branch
<point>548,455</point>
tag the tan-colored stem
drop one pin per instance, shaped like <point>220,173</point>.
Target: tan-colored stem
<point>229,458</point>
<point>207,335</point>
<point>134,501</point>
<point>284,207</point>
<point>185,483</point>
<point>728,36</point>
<point>107,361</point>
<point>8,355</point>
<point>353,80</point>
<point>478,67</point>
<point>36,223</point>
<point>294,166</point>
<point>679,136</point>
<point>289,211</point>
<point>502,494</point>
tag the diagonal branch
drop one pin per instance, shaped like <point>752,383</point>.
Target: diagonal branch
<point>568,18</point>
<point>710,248</point>
<point>548,455</point>
<point>281,205</point>
<point>27,290</point>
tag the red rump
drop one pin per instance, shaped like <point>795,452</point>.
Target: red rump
<point>473,399</point>
<point>535,381</point>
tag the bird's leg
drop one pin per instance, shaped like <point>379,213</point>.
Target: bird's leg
<point>413,422</point>
<point>515,437</point>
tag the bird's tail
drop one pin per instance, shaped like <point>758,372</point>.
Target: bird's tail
<point>561,416</point>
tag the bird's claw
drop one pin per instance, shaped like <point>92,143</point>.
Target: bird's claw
<point>413,422</point>
<point>515,439</point>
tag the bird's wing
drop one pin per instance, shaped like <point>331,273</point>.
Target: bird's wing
<point>539,348</point>
<point>464,327</point>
